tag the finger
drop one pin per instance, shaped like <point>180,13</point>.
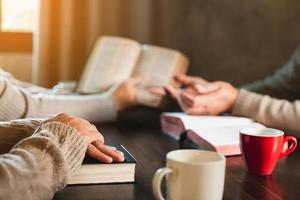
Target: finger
<point>191,90</point>
<point>171,91</point>
<point>196,111</point>
<point>159,91</point>
<point>95,153</point>
<point>117,156</point>
<point>184,79</point>
<point>113,148</point>
<point>200,89</point>
<point>208,88</point>
<point>187,99</point>
<point>201,81</point>
<point>99,135</point>
<point>95,135</point>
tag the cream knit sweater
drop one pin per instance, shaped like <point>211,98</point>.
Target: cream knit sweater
<point>274,101</point>
<point>16,101</point>
<point>39,165</point>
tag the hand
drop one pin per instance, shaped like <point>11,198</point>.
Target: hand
<point>187,81</point>
<point>190,80</point>
<point>96,147</point>
<point>210,99</point>
<point>125,96</point>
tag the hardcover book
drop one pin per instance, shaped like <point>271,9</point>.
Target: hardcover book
<point>94,172</point>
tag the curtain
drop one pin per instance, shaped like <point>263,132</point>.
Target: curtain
<point>67,30</point>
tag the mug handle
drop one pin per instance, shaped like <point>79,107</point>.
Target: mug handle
<point>291,148</point>
<point>156,182</point>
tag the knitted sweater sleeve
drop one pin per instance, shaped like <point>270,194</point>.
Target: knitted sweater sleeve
<point>12,132</point>
<point>272,112</point>
<point>40,165</point>
<point>16,102</point>
<point>284,83</point>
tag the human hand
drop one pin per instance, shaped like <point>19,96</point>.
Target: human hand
<point>96,147</point>
<point>125,96</point>
<point>209,99</point>
<point>188,82</point>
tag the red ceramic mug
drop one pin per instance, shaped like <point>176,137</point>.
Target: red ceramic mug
<point>262,147</point>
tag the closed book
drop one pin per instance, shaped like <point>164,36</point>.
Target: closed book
<point>216,133</point>
<point>94,172</point>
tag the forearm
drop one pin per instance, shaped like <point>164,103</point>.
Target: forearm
<point>17,103</point>
<point>272,112</point>
<point>94,108</point>
<point>40,165</point>
<point>284,83</point>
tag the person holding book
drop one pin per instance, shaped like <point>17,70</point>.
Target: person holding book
<point>115,66</point>
<point>46,153</point>
<point>274,101</point>
<point>21,100</point>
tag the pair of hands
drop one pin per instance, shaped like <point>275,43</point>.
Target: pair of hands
<point>96,147</point>
<point>200,97</point>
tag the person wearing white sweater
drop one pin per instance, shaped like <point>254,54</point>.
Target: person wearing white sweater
<point>18,101</point>
<point>39,156</point>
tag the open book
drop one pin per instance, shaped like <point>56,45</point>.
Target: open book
<point>216,133</point>
<point>115,59</point>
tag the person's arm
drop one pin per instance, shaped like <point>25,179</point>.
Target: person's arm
<point>94,108</point>
<point>272,112</point>
<point>284,83</point>
<point>11,132</point>
<point>40,165</point>
<point>219,97</point>
<point>16,102</point>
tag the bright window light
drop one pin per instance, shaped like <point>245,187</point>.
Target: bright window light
<point>19,15</point>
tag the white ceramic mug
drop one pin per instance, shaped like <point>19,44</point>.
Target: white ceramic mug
<point>191,174</point>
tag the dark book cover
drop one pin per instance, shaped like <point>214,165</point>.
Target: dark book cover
<point>128,157</point>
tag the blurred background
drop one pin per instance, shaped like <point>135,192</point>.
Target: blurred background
<point>46,41</point>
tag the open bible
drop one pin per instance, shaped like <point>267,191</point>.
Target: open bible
<point>215,133</point>
<point>115,59</point>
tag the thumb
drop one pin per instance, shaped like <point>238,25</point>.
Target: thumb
<point>208,88</point>
<point>159,91</point>
<point>171,91</point>
<point>184,79</point>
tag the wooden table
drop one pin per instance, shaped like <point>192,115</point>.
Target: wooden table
<point>140,134</point>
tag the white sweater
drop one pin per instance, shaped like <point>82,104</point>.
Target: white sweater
<point>16,101</point>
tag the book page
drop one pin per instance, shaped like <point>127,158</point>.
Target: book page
<point>195,122</point>
<point>112,60</point>
<point>158,66</point>
<point>221,136</point>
